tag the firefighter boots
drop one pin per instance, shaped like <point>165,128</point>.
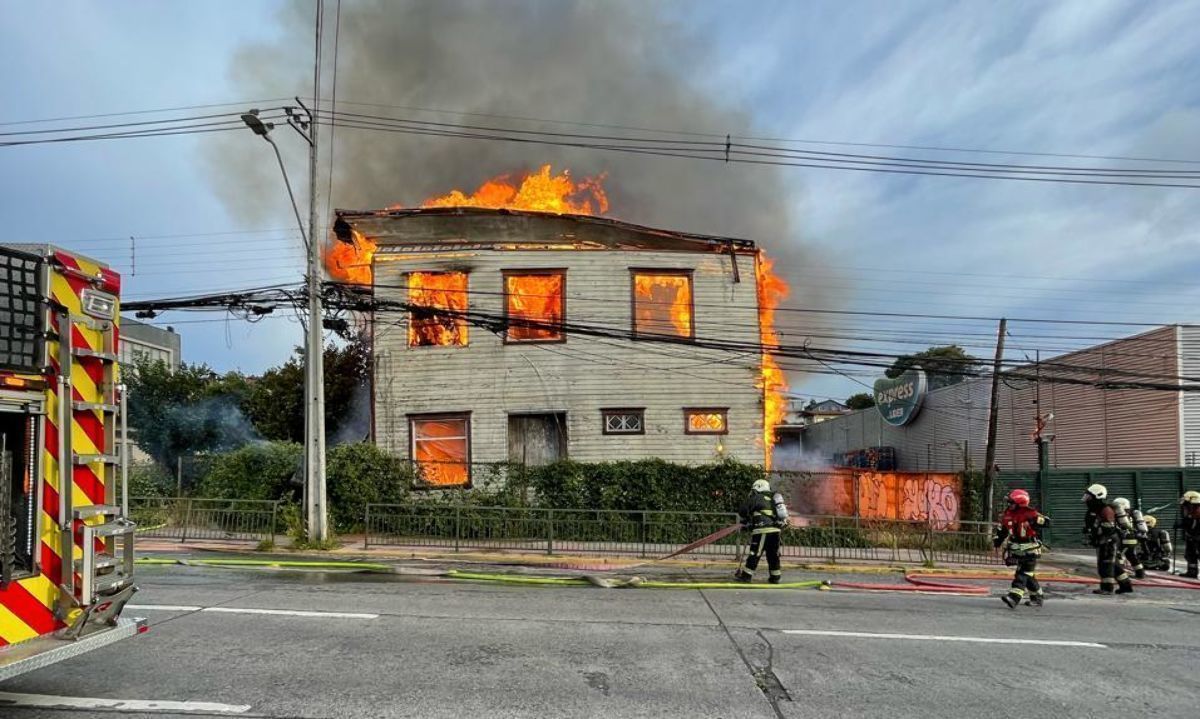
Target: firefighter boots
<point>1011,600</point>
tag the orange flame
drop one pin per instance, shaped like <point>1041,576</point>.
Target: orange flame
<point>662,304</point>
<point>437,291</point>
<point>534,298</point>
<point>771,291</point>
<point>538,191</point>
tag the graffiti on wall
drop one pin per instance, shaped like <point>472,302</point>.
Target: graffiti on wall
<point>916,496</point>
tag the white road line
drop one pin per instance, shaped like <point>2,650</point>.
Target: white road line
<point>163,607</point>
<point>292,613</point>
<point>124,705</point>
<point>945,638</point>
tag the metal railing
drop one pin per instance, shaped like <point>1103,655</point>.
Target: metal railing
<point>569,531</point>
<point>653,533</point>
<point>185,518</point>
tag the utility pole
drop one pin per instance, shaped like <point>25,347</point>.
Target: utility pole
<point>314,354</point>
<point>989,461</point>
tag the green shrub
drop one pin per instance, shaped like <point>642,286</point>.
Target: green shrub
<point>150,480</point>
<point>264,470</point>
<point>649,484</point>
<point>361,473</point>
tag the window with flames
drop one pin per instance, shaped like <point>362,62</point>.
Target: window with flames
<point>441,449</point>
<point>706,420</point>
<point>535,305</point>
<point>430,292</point>
<point>662,303</point>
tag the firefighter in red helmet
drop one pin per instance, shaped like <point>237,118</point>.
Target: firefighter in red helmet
<point>1021,527</point>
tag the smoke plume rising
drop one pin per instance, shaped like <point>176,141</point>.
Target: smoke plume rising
<point>601,62</point>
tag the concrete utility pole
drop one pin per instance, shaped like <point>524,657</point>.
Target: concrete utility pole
<point>989,461</point>
<point>314,362</point>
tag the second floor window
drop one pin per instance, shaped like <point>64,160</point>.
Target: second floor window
<point>662,303</point>
<point>534,305</point>
<point>430,292</point>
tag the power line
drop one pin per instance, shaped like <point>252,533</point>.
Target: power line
<point>142,112</point>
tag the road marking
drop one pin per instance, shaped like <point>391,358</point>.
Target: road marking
<point>945,638</point>
<point>124,705</point>
<point>292,613</point>
<point>163,607</point>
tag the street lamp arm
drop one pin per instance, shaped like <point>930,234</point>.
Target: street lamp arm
<point>288,184</point>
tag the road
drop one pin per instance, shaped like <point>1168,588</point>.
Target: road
<point>360,646</point>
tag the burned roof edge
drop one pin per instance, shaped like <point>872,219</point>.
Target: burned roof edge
<point>345,219</point>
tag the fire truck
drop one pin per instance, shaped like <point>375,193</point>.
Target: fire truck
<point>66,543</point>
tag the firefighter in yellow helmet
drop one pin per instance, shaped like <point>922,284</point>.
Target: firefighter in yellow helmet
<point>1158,546</point>
<point>1101,530</point>
<point>1189,511</point>
<point>765,515</point>
<point>1128,523</point>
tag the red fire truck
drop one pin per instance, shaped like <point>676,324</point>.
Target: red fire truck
<point>66,544</point>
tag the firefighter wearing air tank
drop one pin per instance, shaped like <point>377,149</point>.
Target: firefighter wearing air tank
<point>1021,527</point>
<point>1189,517</point>
<point>1101,530</point>
<point>765,515</point>
<point>1133,530</point>
<point>1157,546</point>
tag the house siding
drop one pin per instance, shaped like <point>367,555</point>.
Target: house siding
<point>581,376</point>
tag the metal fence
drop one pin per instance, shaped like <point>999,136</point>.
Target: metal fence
<point>651,534</point>
<point>185,518</point>
<point>568,531</point>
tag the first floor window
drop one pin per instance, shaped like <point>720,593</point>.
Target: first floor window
<point>706,420</point>
<point>624,421</point>
<point>441,449</point>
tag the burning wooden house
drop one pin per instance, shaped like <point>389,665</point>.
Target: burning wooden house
<point>527,337</point>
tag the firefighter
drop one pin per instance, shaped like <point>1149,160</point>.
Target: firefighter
<point>1131,535</point>
<point>1158,546</point>
<point>1021,526</point>
<point>1102,532</point>
<point>1189,511</point>
<point>760,513</point>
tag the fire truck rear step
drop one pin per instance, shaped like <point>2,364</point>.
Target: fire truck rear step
<point>43,651</point>
<point>96,510</point>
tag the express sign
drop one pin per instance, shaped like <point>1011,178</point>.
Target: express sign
<point>899,400</point>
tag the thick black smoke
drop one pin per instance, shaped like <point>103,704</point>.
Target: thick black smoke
<point>599,62</point>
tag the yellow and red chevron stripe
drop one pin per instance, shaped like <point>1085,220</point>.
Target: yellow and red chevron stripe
<point>27,606</point>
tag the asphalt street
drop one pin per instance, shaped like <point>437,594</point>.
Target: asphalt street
<point>255,643</point>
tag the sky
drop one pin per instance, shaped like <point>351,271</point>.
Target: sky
<point>1086,78</point>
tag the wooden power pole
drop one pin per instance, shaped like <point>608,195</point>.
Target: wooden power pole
<point>989,461</point>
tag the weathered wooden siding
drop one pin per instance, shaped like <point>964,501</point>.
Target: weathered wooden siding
<point>581,376</point>
<point>1189,353</point>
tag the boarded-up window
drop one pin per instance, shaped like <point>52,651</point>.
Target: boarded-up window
<point>430,292</point>
<point>706,420</point>
<point>441,449</point>
<point>624,421</point>
<point>534,305</point>
<point>662,303</point>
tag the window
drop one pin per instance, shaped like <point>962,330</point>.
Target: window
<point>624,421</point>
<point>441,449</point>
<point>534,305</point>
<point>432,291</point>
<point>662,303</point>
<point>706,420</point>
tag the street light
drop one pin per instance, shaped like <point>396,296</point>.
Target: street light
<point>314,370</point>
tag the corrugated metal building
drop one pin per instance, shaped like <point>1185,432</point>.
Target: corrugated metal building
<point>450,391</point>
<point>1091,426</point>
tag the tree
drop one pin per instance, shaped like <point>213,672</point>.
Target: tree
<point>275,401</point>
<point>862,400</point>
<point>191,410</point>
<point>944,366</point>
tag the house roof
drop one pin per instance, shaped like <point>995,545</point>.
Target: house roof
<point>413,228</point>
